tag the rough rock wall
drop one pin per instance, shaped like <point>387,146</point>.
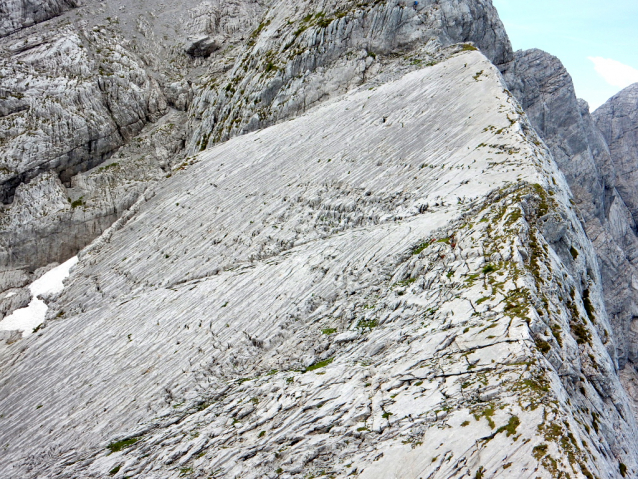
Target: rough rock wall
<point>88,105</point>
<point>85,84</point>
<point>546,92</point>
<point>617,119</point>
<point>18,14</point>
<point>49,221</point>
<point>618,122</point>
<point>90,86</point>
<point>394,285</point>
<point>300,56</point>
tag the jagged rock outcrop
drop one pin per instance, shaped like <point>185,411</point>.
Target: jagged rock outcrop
<point>69,218</point>
<point>73,95</point>
<point>617,119</point>
<point>66,107</point>
<point>18,14</point>
<point>385,286</point>
<point>546,92</point>
<point>241,65</point>
<point>298,58</point>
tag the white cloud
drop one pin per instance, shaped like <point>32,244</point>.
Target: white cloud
<point>615,73</point>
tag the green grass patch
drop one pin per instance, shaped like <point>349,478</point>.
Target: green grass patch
<point>328,331</point>
<point>108,167</point>
<point>543,346</point>
<point>123,444</point>
<point>319,365</point>
<point>589,307</point>
<point>77,203</point>
<point>539,451</point>
<point>490,268</point>
<point>367,324</point>
<point>510,427</point>
<point>487,414</point>
<point>623,469</point>
<point>581,333</point>
<point>416,250</point>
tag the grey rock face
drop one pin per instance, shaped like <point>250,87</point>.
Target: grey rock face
<point>617,119</point>
<point>298,58</point>
<point>70,218</point>
<point>546,92</point>
<point>14,299</point>
<point>85,84</point>
<point>67,107</point>
<point>202,46</point>
<point>343,293</point>
<point>10,337</point>
<point>18,14</point>
<point>72,97</point>
<point>371,287</point>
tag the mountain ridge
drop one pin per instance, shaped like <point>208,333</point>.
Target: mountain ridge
<point>388,277</point>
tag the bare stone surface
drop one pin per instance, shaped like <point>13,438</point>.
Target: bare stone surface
<point>391,282</point>
<point>18,14</point>
<point>365,288</point>
<point>618,121</point>
<point>596,178</point>
<point>85,84</point>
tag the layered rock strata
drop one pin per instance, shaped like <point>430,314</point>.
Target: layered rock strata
<point>298,58</point>
<point>393,285</point>
<point>85,86</point>
<point>601,181</point>
<point>236,66</point>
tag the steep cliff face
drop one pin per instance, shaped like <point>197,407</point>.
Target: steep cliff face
<point>299,57</point>
<point>87,83</point>
<point>393,285</point>
<point>618,121</point>
<point>546,92</point>
<point>18,14</point>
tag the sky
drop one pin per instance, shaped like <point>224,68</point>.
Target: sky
<point>597,41</point>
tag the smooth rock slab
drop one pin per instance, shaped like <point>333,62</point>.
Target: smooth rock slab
<point>185,327</point>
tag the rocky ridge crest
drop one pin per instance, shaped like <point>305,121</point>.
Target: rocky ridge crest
<point>107,107</point>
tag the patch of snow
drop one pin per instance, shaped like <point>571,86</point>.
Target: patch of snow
<point>29,318</point>
<point>11,294</point>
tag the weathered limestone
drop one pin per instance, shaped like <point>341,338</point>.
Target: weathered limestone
<point>18,14</point>
<point>618,121</point>
<point>78,89</point>
<point>236,65</point>
<point>397,284</point>
<point>546,92</point>
<point>300,57</point>
<point>386,285</point>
